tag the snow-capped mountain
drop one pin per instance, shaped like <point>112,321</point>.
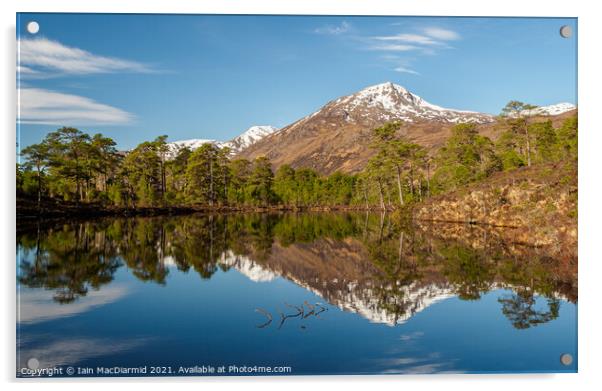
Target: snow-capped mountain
<point>246,139</point>
<point>389,101</point>
<point>250,137</point>
<point>337,136</point>
<point>556,109</point>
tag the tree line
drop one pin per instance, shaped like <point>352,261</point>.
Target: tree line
<point>71,165</point>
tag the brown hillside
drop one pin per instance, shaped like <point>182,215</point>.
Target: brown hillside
<point>337,137</point>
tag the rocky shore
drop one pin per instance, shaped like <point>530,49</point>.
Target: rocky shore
<point>535,206</point>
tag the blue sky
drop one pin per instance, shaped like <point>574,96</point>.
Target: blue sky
<point>135,77</point>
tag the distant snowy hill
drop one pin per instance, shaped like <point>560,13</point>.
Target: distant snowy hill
<point>237,144</point>
<point>192,144</point>
<point>556,109</point>
<point>250,137</point>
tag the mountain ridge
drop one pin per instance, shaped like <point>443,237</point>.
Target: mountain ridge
<point>336,137</point>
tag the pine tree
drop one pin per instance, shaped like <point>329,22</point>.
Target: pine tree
<point>260,183</point>
<point>177,181</point>
<point>545,141</point>
<point>516,114</point>
<point>142,174</point>
<point>567,138</point>
<point>202,174</point>
<point>286,186</point>
<point>37,156</point>
<point>465,157</point>
<point>240,171</point>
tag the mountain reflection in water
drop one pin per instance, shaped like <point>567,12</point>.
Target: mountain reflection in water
<point>367,264</point>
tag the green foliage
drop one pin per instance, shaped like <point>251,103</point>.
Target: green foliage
<point>507,149</point>
<point>466,157</point>
<point>286,186</point>
<point>74,166</point>
<point>546,143</point>
<point>240,172</point>
<point>206,176</point>
<point>397,163</point>
<point>260,182</point>
<point>517,109</point>
<point>304,187</point>
<point>177,180</point>
<point>567,139</point>
<point>515,115</point>
<point>80,166</point>
<point>142,173</point>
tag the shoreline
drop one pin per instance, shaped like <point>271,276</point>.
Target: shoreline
<point>90,210</point>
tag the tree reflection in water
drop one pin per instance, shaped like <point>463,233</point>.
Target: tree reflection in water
<point>357,261</point>
<point>519,309</point>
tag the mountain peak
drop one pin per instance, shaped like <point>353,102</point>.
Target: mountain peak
<point>389,101</point>
<point>386,86</point>
<point>250,137</point>
<point>383,90</point>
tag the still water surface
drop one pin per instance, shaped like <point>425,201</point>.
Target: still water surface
<point>319,293</point>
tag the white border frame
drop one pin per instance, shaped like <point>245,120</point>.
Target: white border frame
<point>590,163</point>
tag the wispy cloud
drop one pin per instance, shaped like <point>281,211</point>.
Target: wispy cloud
<point>44,55</point>
<point>23,70</point>
<point>426,40</point>
<point>334,29</point>
<point>406,70</point>
<point>419,42</point>
<point>394,47</point>
<point>400,64</point>
<point>410,38</point>
<point>441,33</point>
<point>40,106</point>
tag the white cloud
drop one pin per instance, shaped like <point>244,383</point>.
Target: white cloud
<point>410,38</point>
<point>394,47</point>
<point>23,70</point>
<point>406,70</point>
<point>334,30</point>
<point>39,106</point>
<point>43,54</point>
<point>441,33</point>
<point>431,38</point>
<point>424,41</point>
